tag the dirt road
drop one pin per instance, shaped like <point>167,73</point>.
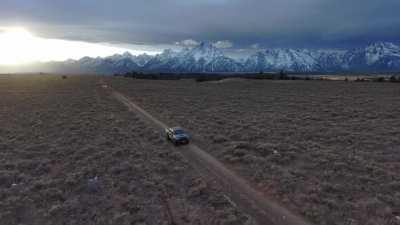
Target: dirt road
<point>262,209</point>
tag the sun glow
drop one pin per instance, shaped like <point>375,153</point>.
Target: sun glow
<point>19,46</point>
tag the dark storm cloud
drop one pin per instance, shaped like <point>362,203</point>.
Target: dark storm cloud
<point>245,23</point>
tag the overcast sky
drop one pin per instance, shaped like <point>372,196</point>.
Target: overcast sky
<point>237,24</point>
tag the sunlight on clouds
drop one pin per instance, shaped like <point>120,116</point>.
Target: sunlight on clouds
<point>19,46</point>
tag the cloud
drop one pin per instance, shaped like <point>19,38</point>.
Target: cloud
<point>223,44</point>
<point>244,22</point>
<point>188,43</point>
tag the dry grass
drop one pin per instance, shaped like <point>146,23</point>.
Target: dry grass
<point>329,150</point>
<point>71,154</point>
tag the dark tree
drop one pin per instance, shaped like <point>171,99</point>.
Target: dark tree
<point>394,79</point>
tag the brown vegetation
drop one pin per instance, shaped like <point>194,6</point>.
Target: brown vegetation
<point>329,150</point>
<point>71,154</point>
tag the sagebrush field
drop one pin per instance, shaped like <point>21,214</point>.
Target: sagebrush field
<point>71,154</point>
<point>329,150</point>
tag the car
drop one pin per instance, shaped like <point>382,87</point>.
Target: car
<point>177,135</point>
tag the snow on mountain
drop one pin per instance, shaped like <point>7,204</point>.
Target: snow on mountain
<point>298,60</point>
<point>291,59</point>
<point>142,59</point>
<point>204,51</point>
<point>329,60</point>
<point>202,58</point>
<point>161,62</point>
<point>112,64</point>
<point>375,57</point>
<point>381,56</point>
<point>256,62</point>
<point>378,51</point>
<point>118,63</point>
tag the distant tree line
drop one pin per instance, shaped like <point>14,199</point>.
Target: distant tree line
<point>282,75</point>
<point>151,76</point>
<point>393,79</point>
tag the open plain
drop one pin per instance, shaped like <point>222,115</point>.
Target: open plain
<point>70,153</point>
<point>329,150</point>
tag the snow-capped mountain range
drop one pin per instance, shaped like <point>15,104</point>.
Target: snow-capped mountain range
<point>203,58</point>
<point>377,57</point>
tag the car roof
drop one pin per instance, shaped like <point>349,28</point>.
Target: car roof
<point>176,128</point>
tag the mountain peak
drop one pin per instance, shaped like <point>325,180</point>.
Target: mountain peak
<point>127,54</point>
<point>206,51</point>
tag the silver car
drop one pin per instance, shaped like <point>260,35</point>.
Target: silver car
<point>177,135</point>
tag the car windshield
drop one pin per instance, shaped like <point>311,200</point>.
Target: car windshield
<point>179,131</point>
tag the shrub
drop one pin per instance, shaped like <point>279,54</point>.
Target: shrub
<point>394,79</point>
<point>283,75</point>
<point>152,76</point>
<point>379,79</point>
